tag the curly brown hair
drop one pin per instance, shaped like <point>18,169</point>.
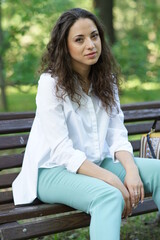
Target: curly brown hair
<point>56,60</point>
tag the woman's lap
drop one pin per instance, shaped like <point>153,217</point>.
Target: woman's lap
<point>57,185</point>
<point>147,169</point>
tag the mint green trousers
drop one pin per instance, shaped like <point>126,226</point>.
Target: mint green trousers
<point>102,201</point>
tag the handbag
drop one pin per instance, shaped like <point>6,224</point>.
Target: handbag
<point>150,143</point>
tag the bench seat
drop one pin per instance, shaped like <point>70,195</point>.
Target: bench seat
<point>39,219</point>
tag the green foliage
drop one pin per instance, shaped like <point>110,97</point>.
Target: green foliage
<point>26,27</point>
<point>138,39</point>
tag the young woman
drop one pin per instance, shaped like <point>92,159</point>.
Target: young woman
<point>78,152</point>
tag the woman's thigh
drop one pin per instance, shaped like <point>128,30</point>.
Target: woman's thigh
<point>57,185</point>
<point>114,167</point>
<point>149,170</point>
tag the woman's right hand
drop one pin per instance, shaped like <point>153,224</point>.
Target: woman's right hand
<point>127,208</point>
<point>90,169</point>
<point>116,182</point>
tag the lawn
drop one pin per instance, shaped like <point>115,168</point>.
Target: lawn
<point>131,91</point>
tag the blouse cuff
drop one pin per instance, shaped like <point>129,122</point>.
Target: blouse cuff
<point>75,162</point>
<point>112,153</point>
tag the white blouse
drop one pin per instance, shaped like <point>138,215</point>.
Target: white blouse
<point>64,134</point>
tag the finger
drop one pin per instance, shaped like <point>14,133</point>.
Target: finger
<point>137,196</point>
<point>133,198</point>
<point>142,194</point>
<point>128,209</point>
<point>124,211</point>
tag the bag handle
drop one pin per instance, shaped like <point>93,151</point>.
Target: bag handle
<point>153,128</point>
<point>150,146</point>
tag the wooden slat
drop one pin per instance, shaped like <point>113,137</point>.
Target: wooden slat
<point>11,142</point>
<point>11,161</point>
<point>135,145</point>
<point>139,128</point>
<point>43,228</point>
<point>146,207</point>
<point>125,107</point>
<point>141,115</point>
<point>15,126</point>
<point>7,179</point>
<point>141,105</point>
<point>6,197</point>
<point>132,106</point>
<point>16,115</point>
<point>10,213</point>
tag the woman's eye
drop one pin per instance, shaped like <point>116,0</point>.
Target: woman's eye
<point>79,40</point>
<point>94,36</point>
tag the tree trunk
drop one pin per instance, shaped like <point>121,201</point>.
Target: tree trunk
<point>105,8</point>
<point>3,101</point>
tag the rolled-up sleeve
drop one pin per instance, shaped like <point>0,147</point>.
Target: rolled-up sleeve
<point>117,134</point>
<point>53,125</point>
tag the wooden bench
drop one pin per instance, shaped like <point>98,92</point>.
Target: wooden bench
<point>38,219</point>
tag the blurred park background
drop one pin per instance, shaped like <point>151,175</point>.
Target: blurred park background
<point>132,29</point>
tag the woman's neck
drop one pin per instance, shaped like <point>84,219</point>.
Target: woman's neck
<point>84,73</point>
<point>85,84</point>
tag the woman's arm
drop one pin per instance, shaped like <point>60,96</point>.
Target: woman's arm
<point>50,114</point>
<point>132,180</point>
<point>90,169</point>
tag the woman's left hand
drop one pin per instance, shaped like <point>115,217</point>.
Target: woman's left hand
<point>135,187</point>
<point>132,180</point>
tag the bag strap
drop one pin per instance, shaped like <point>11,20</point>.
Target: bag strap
<point>150,146</point>
<point>153,128</point>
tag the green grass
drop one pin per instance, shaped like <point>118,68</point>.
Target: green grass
<point>140,228</point>
<point>132,91</point>
<point>135,91</point>
<point>19,101</point>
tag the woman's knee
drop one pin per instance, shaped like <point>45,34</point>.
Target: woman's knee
<point>109,197</point>
<point>118,197</point>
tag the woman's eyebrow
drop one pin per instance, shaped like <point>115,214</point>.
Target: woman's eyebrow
<point>81,35</point>
<point>95,31</point>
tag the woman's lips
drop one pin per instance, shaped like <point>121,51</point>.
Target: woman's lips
<point>91,55</point>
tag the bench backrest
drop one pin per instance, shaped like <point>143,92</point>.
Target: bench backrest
<point>15,128</point>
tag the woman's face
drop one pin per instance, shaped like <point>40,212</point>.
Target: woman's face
<point>84,44</point>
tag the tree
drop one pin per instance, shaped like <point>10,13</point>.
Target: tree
<point>24,28</point>
<point>105,11</point>
<point>137,29</point>
<point>3,100</point>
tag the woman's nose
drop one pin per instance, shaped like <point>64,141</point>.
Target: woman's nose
<point>90,44</point>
